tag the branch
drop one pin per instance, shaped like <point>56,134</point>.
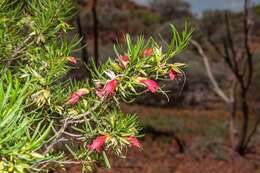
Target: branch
<point>250,136</point>
<point>78,118</point>
<point>67,121</point>
<point>217,88</point>
<point>233,68</point>
<point>230,41</point>
<point>57,136</point>
<point>247,42</point>
<point>19,50</point>
<point>215,46</point>
<point>230,38</point>
<point>227,56</point>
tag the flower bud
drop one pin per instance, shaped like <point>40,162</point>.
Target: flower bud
<point>148,52</point>
<point>97,143</point>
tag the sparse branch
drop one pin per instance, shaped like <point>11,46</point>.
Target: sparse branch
<point>231,44</point>
<point>253,132</point>
<point>216,87</point>
<point>247,41</point>
<point>215,46</point>
<point>19,50</point>
<point>227,55</point>
<point>231,66</point>
<point>67,121</point>
<point>230,38</point>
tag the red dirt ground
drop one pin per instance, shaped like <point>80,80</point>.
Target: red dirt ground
<point>160,155</point>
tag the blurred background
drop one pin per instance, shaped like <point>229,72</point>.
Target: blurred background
<point>210,123</point>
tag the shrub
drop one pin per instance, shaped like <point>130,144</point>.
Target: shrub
<point>48,122</point>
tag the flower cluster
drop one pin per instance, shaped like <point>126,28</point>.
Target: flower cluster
<point>99,142</point>
<point>117,79</point>
<point>127,64</point>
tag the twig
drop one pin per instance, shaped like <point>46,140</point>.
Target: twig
<point>67,121</point>
<point>77,119</point>
<point>18,50</point>
<point>58,135</point>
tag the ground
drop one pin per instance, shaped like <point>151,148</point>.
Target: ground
<point>206,146</point>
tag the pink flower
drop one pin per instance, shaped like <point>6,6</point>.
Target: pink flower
<point>123,60</point>
<point>134,141</point>
<point>172,74</point>
<point>72,60</point>
<point>75,97</point>
<point>150,84</point>
<point>97,143</point>
<point>148,52</point>
<point>108,89</point>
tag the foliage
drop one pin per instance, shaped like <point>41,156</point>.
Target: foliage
<point>19,144</point>
<point>44,111</point>
<point>171,9</point>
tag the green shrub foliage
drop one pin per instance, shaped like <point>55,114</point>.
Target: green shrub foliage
<point>47,122</point>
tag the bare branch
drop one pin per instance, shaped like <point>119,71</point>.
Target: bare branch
<point>227,56</point>
<point>19,50</point>
<point>247,41</point>
<point>253,132</point>
<point>229,37</point>
<point>216,87</point>
<point>67,121</point>
<point>215,46</point>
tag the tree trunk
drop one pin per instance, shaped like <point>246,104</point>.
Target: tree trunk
<point>232,126</point>
<point>241,147</point>
<point>84,52</point>
<point>95,31</point>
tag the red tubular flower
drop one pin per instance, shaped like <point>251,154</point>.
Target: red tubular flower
<point>72,60</point>
<point>134,141</point>
<point>123,60</point>
<point>150,84</point>
<point>97,143</point>
<point>75,97</point>
<point>148,52</point>
<point>172,74</point>
<point>108,89</point>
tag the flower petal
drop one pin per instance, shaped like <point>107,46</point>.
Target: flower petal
<point>72,60</point>
<point>150,84</point>
<point>134,141</point>
<point>172,74</point>
<point>108,89</point>
<point>97,143</point>
<point>148,52</point>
